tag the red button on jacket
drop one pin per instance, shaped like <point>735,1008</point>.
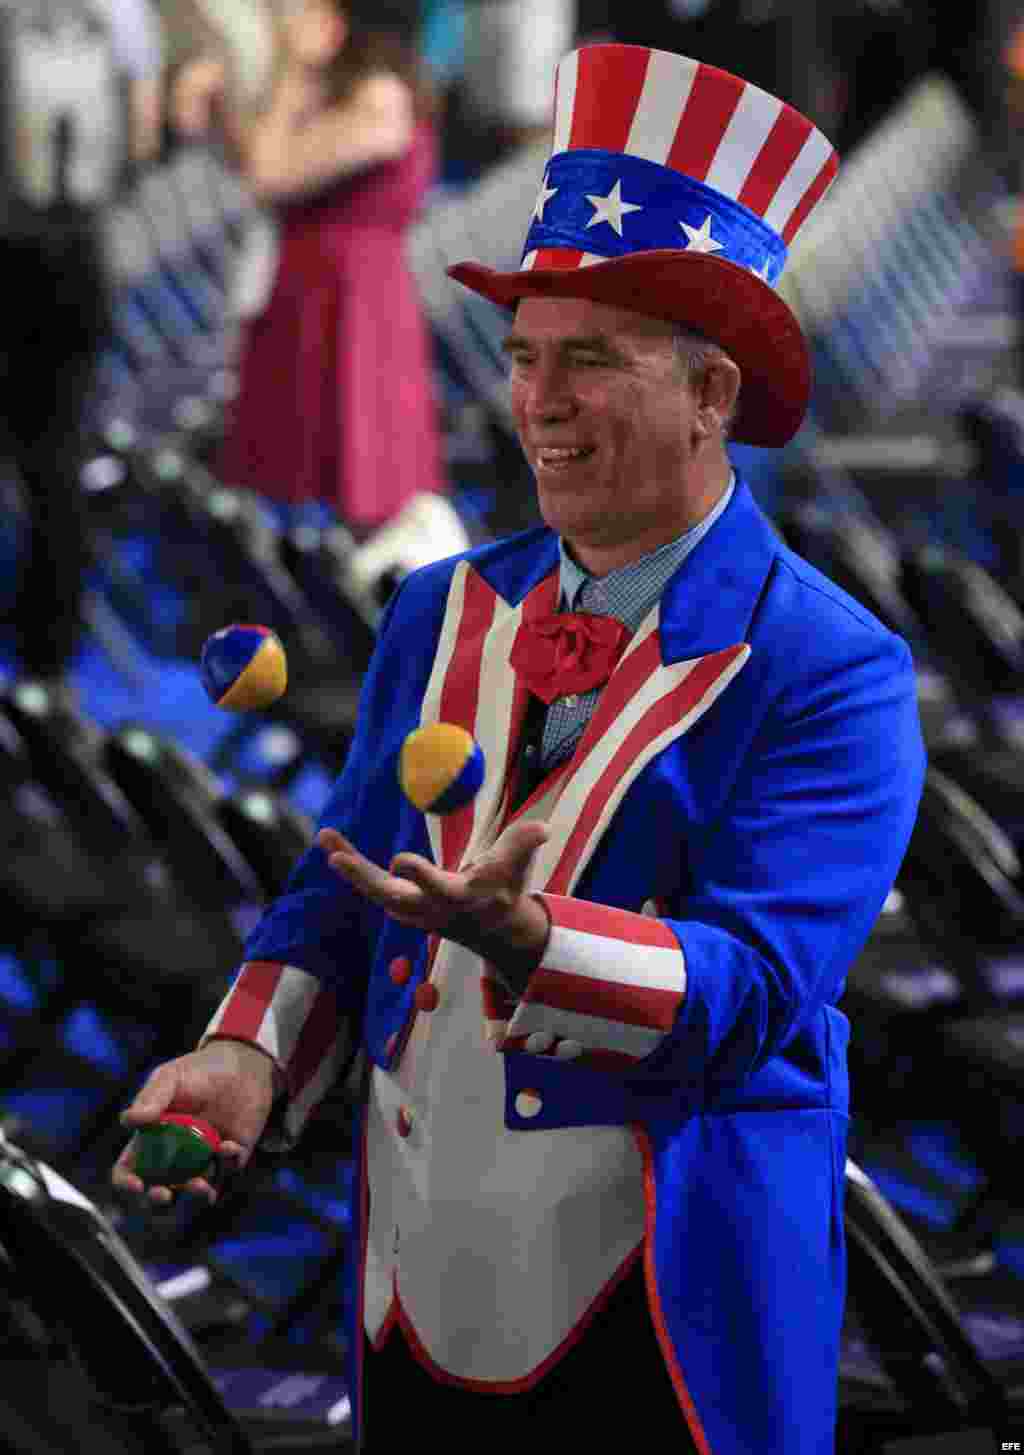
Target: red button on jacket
<point>400,970</point>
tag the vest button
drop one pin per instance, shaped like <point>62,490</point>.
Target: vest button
<point>528,1104</point>
<point>391,1044</point>
<point>400,969</point>
<point>403,1121</point>
<point>426,997</point>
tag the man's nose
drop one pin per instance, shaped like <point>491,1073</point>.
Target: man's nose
<point>550,394</point>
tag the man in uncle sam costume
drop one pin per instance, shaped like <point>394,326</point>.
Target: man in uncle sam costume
<point>601,1148</point>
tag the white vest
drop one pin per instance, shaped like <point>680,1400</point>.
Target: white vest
<point>496,1241</point>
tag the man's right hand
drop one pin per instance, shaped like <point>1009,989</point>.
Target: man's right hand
<point>231,1084</point>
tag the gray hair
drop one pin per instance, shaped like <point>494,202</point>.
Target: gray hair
<point>695,351</point>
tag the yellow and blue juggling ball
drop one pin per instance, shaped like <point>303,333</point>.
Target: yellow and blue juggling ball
<point>244,667</point>
<point>440,767</point>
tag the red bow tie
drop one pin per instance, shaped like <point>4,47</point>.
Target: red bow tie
<point>569,652</point>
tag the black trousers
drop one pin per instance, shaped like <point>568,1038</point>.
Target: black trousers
<point>53,262</point>
<point>613,1384</point>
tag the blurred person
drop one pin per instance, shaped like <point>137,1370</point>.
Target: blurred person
<point>137,37</point>
<point>68,141</point>
<point>49,349</point>
<point>601,1137</point>
<point>336,399</point>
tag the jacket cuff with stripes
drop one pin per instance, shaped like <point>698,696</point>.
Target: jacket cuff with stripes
<point>295,1019</point>
<point>607,991</point>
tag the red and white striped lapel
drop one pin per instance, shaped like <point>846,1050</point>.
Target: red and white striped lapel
<point>473,685</point>
<point>645,706</point>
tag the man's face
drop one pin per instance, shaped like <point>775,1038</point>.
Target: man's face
<point>607,419</point>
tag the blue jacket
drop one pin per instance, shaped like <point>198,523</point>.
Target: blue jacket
<point>768,835</point>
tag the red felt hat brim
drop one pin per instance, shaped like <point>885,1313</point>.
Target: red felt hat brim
<point>719,299</point>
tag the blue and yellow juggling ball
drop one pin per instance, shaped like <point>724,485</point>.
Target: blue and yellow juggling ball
<point>440,767</point>
<point>243,667</point>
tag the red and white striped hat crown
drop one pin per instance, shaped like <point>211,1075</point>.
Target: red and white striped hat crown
<point>673,189</point>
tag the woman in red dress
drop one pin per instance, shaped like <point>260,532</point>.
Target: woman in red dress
<point>336,400</point>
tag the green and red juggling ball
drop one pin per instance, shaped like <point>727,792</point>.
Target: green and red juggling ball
<point>170,1152</point>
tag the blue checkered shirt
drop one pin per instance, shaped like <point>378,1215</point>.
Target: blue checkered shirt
<point>628,594</point>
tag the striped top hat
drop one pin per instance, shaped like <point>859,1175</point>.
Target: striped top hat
<point>674,189</point>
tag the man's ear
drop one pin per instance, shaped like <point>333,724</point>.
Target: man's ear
<point>718,391</point>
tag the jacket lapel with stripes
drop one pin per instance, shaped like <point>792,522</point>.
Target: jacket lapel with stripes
<point>646,705</point>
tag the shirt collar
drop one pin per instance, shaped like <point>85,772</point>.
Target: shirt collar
<point>630,592</point>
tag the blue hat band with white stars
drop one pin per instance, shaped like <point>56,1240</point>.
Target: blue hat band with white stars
<point>612,204</point>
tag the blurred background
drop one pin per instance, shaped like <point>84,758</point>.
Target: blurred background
<point>237,385</point>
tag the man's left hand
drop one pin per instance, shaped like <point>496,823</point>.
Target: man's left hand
<point>482,906</point>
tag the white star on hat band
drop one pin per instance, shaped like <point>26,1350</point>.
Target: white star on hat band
<point>699,239</point>
<point>611,209</point>
<point>543,197</point>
